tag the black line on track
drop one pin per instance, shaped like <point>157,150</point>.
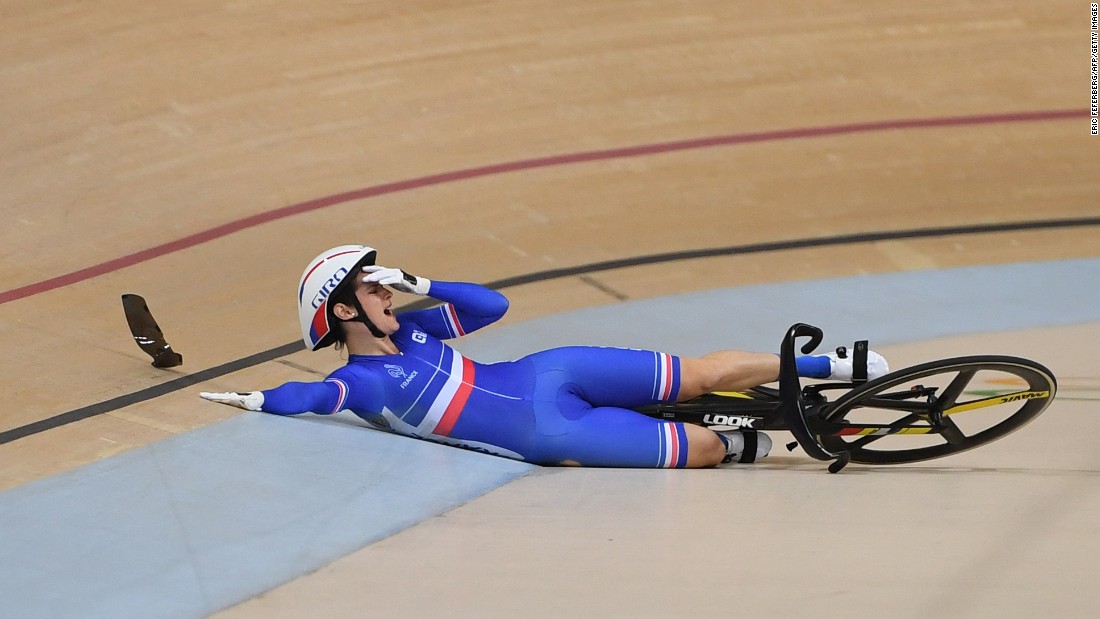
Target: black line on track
<point>284,350</point>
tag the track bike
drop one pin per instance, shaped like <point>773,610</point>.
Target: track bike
<point>926,411</point>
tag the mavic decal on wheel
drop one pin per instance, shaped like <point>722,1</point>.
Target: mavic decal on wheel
<point>995,400</point>
<point>876,431</point>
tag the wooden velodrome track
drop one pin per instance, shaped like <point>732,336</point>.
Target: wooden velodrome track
<point>200,153</point>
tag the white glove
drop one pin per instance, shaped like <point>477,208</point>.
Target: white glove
<point>248,400</point>
<point>397,279</point>
<point>842,368</point>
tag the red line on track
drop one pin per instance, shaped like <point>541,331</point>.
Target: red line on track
<point>515,166</point>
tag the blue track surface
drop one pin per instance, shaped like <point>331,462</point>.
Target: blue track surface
<point>198,522</point>
<point>887,309</point>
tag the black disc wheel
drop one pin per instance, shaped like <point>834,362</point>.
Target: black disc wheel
<point>936,409</point>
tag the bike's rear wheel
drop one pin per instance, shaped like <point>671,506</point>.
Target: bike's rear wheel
<point>936,409</point>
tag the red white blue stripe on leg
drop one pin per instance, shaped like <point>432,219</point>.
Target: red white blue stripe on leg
<point>665,377</point>
<point>674,446</point>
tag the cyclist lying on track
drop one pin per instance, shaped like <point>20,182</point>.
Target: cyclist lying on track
<point>563,406</point>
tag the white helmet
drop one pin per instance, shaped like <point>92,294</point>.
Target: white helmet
<point>321,279</point>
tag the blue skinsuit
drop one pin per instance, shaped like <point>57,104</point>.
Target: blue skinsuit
<point>564,405</point>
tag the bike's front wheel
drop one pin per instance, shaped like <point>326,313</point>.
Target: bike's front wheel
<point>936,409</point>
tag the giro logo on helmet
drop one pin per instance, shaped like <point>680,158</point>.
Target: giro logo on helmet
<point>329,286</point>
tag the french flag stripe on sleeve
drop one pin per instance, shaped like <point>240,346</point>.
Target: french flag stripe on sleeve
<point>343,387</point>
<point>452,320</point>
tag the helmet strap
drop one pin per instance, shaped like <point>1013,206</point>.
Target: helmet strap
<point>361,316</point>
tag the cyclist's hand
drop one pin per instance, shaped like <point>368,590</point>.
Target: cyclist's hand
<point>248,400</point>
<point>397,279</point>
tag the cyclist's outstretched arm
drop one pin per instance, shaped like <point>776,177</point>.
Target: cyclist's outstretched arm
<point>345,388</point>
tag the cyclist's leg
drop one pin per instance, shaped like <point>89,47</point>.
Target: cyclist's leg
<point>616,437</point>
<point>615,377</point>
<point>630,378</point>
<point>582,400</point>
<point>726,370</point>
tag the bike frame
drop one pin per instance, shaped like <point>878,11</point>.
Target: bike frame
<point>805,412</point>
<point>764,408</point>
